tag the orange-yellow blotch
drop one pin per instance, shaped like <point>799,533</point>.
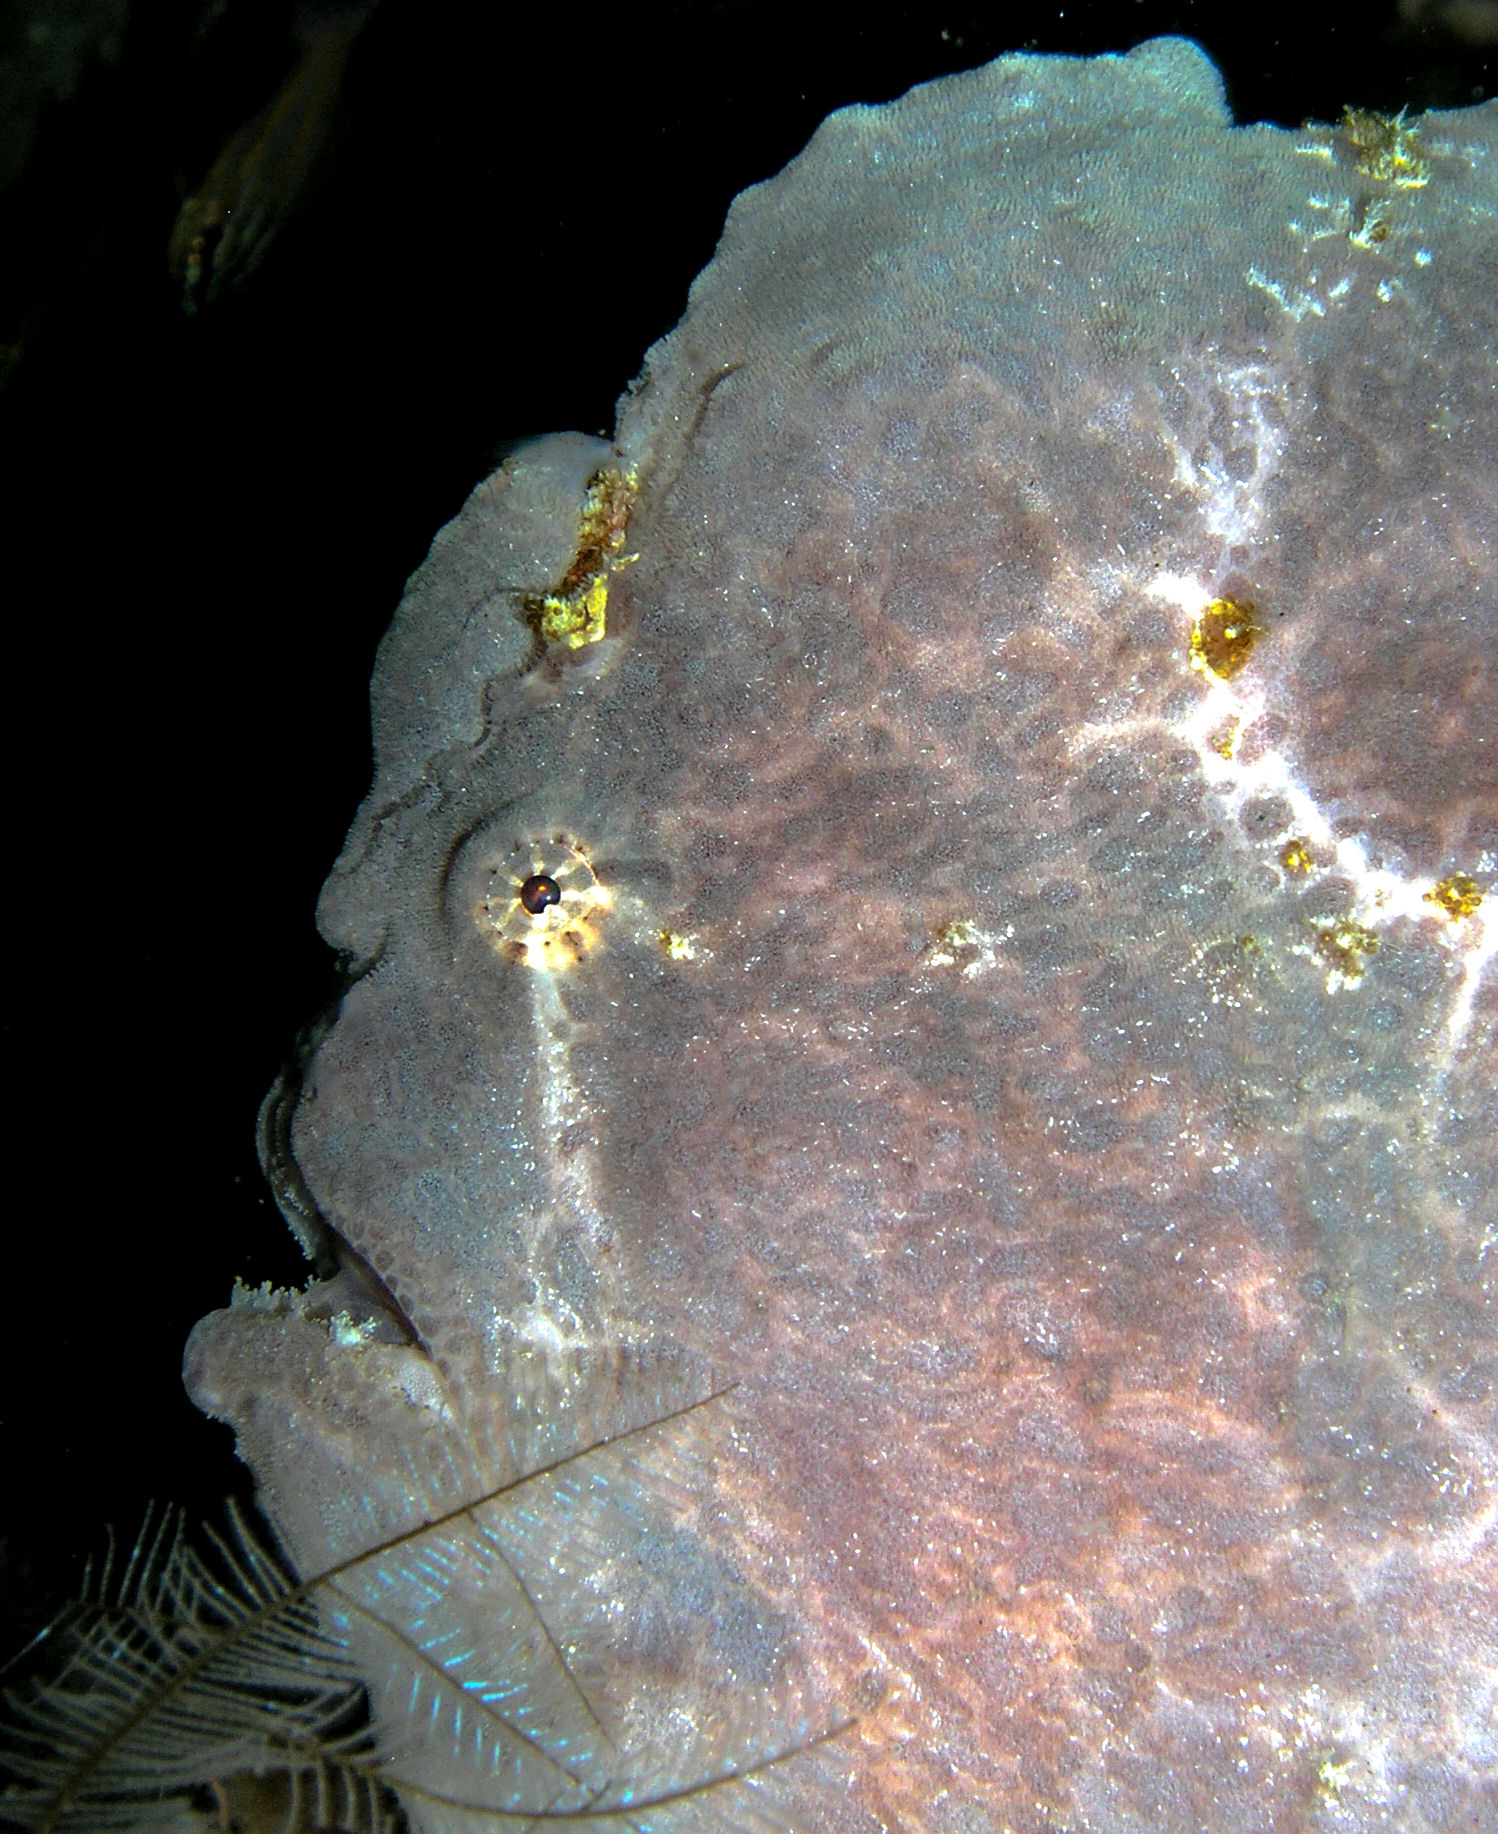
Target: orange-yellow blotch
<point>1458,896</point>
<point>1223,638</point>
<point>1385,148</point>
<point>1296,856</point>
<point>575,611</point>
<point>1344,945</point>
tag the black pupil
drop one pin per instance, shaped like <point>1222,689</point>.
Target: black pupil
<point>539,891</point>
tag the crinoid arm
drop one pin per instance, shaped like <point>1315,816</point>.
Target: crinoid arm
<point>203,1683</point>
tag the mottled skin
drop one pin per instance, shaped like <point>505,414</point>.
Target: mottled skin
<point>1105,1253</point>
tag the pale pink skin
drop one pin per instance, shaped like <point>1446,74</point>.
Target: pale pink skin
<point>1106,1264</point>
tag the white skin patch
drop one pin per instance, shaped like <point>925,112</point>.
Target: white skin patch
<point>1382,896</point>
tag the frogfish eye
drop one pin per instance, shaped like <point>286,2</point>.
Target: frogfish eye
<point>538,891</point>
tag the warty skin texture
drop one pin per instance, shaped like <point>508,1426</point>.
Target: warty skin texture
<point>1092,1195</point>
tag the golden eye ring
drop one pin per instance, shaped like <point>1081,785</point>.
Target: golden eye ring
<point>543,903</point>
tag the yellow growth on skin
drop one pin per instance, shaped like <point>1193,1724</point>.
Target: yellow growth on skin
<point>1458,896</point>
<point>1333,1778</point>
<point>1370,228</point>
<point>1225,740</point>
<point>1223,638</point>
<point>1344,946</point>
<point>962,945</point>
<point>1385,148</point>
<point>575,611</point>
<point>951,937</point>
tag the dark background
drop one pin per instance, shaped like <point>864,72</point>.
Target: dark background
<point>207,522</point>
